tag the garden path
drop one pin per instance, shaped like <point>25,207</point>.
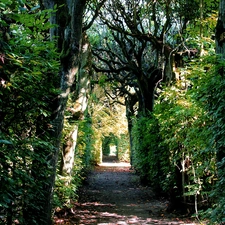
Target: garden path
<point>113,195</point>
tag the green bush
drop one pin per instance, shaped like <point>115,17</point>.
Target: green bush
<point>28,69</point>
<point>150,156</point>
<point>210,93</point>
<point>172,147</point>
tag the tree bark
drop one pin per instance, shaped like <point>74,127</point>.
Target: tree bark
<point>130,102</point>
<point>78,108</point>
<point>147,84</point>
<point>68,19</point>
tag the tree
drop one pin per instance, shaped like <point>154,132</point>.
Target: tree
<point>68,33</point>
<point>125,54</point>
<point>38,207</point>
<point>77,107</point>
<point>141,44</point>
<point>43,124</point>
<point>75,111</point>
<point>140,48</point>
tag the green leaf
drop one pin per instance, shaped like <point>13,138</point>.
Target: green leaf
<point>6,142</point>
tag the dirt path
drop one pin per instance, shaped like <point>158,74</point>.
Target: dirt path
<point>113,195</point>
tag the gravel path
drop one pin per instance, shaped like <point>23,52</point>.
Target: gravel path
<point>112,194</point>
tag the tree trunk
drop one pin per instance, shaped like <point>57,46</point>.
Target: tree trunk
<point>68,151</point>
<point>69,30</point>
<point>78,108</point>
<point>147,84</point>
<point>130,101</point>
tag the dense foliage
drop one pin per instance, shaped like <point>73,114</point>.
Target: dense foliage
<point>28,70</point>
<point>210,93</point>
<point>177,154</point>
<point>154,64</point>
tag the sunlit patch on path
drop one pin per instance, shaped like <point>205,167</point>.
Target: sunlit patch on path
<point>113,195</point>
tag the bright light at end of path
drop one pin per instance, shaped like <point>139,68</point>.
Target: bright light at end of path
<point>111,164</point>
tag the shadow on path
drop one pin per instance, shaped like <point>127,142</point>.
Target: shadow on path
<point>113,195</point>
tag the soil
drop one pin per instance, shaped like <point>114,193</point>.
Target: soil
<point>112,194</point>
